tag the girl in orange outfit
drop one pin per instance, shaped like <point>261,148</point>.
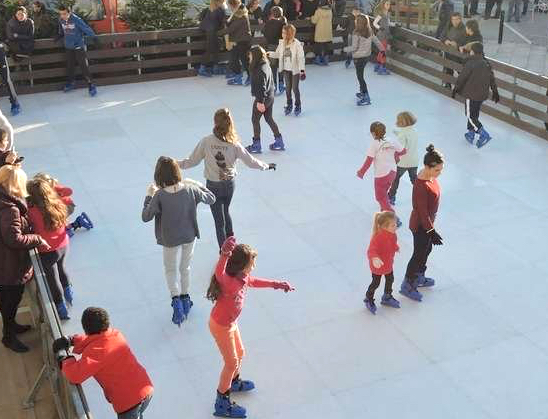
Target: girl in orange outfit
<point>228,290</point>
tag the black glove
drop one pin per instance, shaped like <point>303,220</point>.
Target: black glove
<point>63,343</point>
<point>496,96</point>
<point>435,237</point>
<point>454,93</point>
<point>272,166</point>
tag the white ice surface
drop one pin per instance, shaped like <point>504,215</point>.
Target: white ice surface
<point>476,347</point>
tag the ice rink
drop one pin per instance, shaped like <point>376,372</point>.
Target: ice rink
<point>475,348</point>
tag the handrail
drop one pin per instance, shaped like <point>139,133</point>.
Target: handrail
<point>69,399</point>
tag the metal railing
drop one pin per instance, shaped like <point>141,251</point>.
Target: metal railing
<point>70,400</point>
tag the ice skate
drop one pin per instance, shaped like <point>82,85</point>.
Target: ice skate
<point>390,301</point>
<point>178,311</point>
<point>15,109</point>
<point>423,281</point>
<point>288,109</point>
<point>297,110</point>
<point>69,295</point>
<point>239,385</point>
<point>92,90</point>
<point>278,144</point>
<point>409,290</point>
<point>255,148</point>
<point>469,136</point>
<point>226,408</point>
<point>370,304</point>
<point>483,139</point>
<point>204,71</point>
<point>187,304</point>
<point>62,311</point>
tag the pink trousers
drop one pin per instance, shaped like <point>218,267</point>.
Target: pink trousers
<point>382,185</point>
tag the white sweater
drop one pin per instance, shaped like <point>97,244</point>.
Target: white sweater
<point>297,56</point>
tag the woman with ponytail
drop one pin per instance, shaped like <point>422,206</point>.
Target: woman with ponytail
<point>220,151</point>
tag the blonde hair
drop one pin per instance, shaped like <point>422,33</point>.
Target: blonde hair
<point>405,119</point>
<point>381,220</point>
<point>224,128</point>
<point>46,178</point>
<point>290,30</point>
<point>13,180</point>
<point>215,4</point>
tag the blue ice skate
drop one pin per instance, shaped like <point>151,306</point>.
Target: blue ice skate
<point>92,90</point>
<point>187,304</point>
<point>370,304</point>
<point>69,295</point>
<point>409,290</point>
<point>236,81</point>
<point>365,100</point>
<point>178,311</point>
<point>255,148</point>
<point>15,109</point>
<point>278,144</point>
<point>483,139</point>
<point>469,136</point>
<point>69,87</point>
<point>388,300</point>
<point>225,408</point>
<point>423,281</point>
<point>204,71</point>
<point>239,385</point>
<point>62,311</point>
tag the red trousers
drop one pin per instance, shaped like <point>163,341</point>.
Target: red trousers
<point>382,185</point>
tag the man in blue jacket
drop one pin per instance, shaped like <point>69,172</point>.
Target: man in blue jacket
<point>73,29</point>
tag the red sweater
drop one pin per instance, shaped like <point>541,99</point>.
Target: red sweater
<point>384,246</point>
<point>64,193</point>
<point>230,303</point>
<point>56,239</point>
<point>426,199</point>
<point>107,357</point>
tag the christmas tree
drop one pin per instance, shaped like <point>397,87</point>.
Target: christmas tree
<point>147,15</point>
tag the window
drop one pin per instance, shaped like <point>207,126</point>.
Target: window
<point>91,9</point>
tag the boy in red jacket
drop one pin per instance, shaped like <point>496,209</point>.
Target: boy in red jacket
<point>383,247</point>
<point>106,356</point>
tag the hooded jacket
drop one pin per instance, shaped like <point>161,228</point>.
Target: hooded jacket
<point>107,357</point>
<point>15,240</point>
<point>475,79</point>
<point>73,31</point>
<point>21,34</point>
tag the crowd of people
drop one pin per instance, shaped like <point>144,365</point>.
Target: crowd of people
<point>34,212</point>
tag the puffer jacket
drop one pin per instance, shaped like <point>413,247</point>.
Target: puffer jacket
<point>238,27</point>
<point>21,35</point>
<point>15,240</point>
<point>323,19</point>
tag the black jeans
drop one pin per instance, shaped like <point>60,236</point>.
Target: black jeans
<point>211,55</point>
<point>422,246</point>
<point>6,77</point>
<point>360,64</point>
<point>388,282</point>
<point>77,55</point>
<point>239,57</point>
<point>223,191</point>
<point>322,48</point>
<point>472,110</point>
<point>54,268</point>
<point>292,84</point>
<point>256,119</point>
<point>10,297</point>
<point>400,172</point>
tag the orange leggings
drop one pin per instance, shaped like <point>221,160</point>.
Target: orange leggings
<point>229,341</point>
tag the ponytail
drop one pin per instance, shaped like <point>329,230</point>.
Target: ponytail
<point>214,289</point>
<point>380,219</point>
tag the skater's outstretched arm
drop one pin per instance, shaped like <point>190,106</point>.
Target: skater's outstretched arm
<point>366,165</point>
<point>255,282</point>
<point>195,158</point>
<point>249,160</point>
<point>202,194</point>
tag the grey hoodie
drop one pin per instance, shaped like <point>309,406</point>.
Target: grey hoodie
<point>361,46</point>
<point>220,159</point>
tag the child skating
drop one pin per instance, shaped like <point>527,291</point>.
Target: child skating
<point>48,215</point>
<point>290,56</point>
<point>273,34</point>
<point>382,25</point>
<point>381,251</point>
<point>382,152</point>
<point>171,202</point>
<point>228,290</point>
<point>360,48</point>
<point>409,162</point>
<point>65,193</point>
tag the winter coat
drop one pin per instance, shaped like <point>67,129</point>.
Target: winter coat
<point>323,19</point>
<point>384,246</point>
<point>44,24</point>
<point>21,35</point>
<point>309,8</point>
<point>57,238</point>
<point>273,31</point>
<point>297,56</point>
<point>212,21</point>
<point>457,34</point>
<point>107,357</point>
<point>15,240</point>
<point>73,31</point>
<point>238,28</point>
<point>262,83</point>
<point>475,79</point>
<point>472,39</point>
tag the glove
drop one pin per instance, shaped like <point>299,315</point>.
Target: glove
<point>496,96</point>
<point>303,75</point>
<point>454,93</point>
<point>228,246</point>
<point>62,343</point>
<point>283,285</point>
<point>272,166</point>
<point>435,237</point>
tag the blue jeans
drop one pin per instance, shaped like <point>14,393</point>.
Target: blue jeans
<point>137,411</point>
<point>223,191</point>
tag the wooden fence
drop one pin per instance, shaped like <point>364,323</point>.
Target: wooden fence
<point>143,56</point>
<point>523,94</point>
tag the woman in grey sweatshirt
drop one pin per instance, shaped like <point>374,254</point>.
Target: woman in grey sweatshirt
<point>173,207</point>
<point>220,151</point>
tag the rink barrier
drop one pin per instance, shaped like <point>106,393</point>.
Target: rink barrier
<point>70,400</point>
<point>523,94</point>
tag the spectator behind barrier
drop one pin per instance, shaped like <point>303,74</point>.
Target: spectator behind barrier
<point>20,33</point>
<point>44,23</point>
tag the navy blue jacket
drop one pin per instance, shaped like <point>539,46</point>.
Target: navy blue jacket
<point>73,31</point>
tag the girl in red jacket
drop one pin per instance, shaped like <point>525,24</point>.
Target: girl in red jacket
<point>227,290</point>
<point>48,215</point>
<point>383,247</point>
<point>107,357</point>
